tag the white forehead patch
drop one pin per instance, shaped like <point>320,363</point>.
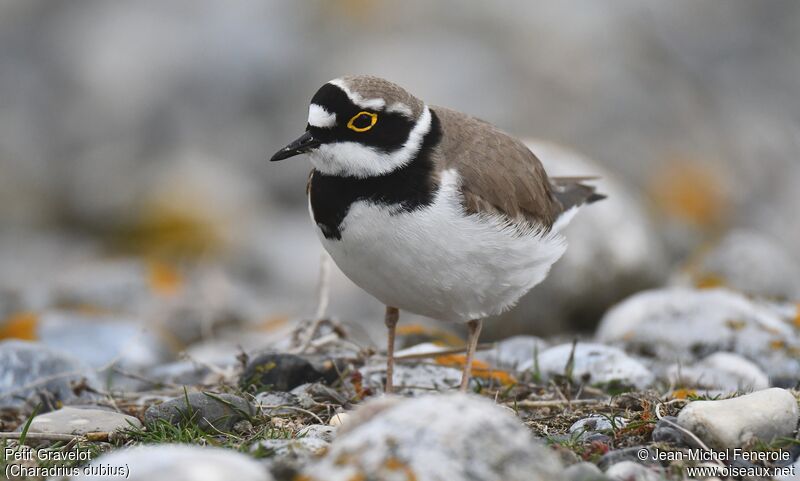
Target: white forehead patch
<point>401,108</point>
<point>375,104</point>
<point>319,117</point>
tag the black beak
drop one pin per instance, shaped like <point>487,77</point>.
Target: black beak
<point>303,144</point>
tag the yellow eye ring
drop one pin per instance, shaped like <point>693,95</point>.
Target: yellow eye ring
<point>373,118</point>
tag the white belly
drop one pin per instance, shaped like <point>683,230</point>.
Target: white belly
<point>437,262</point>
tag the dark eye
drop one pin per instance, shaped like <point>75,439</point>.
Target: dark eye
<point>362,121</point>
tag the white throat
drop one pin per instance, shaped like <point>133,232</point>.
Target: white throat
<point>353,159</point>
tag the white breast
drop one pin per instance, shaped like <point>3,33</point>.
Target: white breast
<point>440,262</point>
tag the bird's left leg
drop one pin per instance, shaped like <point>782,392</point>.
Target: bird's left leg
<point>392,316</point>
<point>474,330</point>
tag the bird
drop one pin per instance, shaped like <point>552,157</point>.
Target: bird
<point>430,210</point>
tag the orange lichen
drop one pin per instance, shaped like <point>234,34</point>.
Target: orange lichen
<point>777,344</point>
<point>796,320</point>
<point>394,464</point>
<point>21,325</point>
<point>709,281</point>
<point>273,322</point>
<point>343,459</point>
<point>690,192</point>
<point>163,278</point>
<point>168,229</point>
<point>409,329</point>
<point>437,336</point>
<point>479,368</point>
<point>683,393</point>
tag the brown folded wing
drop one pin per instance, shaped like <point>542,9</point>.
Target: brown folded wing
<point>499,174</point>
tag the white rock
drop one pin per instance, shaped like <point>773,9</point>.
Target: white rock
<point>339,419</point>
<point>721,371</point>
<point>318,431</point>
<point>513,352</point>
<point>454,437</point>
<point>27,368</point>
<point>596,363</point>
<point>300,448</point>
<point>680,325</point>
<point>730,423</point>
<point>613,251</point>
<point>597,423</point>
<point>630,471</point>
<point>166,462</point>
<point>70,420</point>
<point>750,262</point>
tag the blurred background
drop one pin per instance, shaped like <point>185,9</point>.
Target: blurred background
<point>134,136</point>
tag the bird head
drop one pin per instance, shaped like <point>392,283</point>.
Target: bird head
<point>361,126</point>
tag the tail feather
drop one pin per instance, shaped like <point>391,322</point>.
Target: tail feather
<point>572,192</point>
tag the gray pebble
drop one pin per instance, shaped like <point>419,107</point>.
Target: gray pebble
<point>666,431</point>
<point>24,363</point>
<point>277,403</point>
<point>625,454</point>
<point>222,411</point>
<point>584,472</point>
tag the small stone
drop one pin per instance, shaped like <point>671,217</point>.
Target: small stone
<point>596,424</point>
<point>457,437</point>
<point>593,363</point>
<point>631,471</point>
<point>277,403</point>
<point>339,419</point>
<point>210,412</point>
<point>299,448</point>
<point>584,472</point>
<point>70,420</point>
<point>281,372</point>
<point>172,462</point>
<point>32,370</point>
<point>513,352</point>
<point>633,454</point>
<point>722,371</point>
<point>319,431</point>
<point>243,426</point>
<point>731,423</point>
<point>666,431</point>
